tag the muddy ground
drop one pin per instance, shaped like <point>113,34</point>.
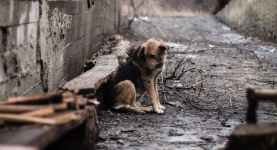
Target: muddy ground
<point>227,62</point>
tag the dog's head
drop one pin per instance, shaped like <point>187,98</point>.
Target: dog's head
<point>153,53</point>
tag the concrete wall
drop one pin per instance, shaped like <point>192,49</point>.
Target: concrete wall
<point>256,17</point>
<point>44,43</point>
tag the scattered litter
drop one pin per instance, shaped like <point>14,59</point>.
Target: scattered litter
<point>115,138</point>
<point>140,18</point>
<point>131,129</point>
<point>173,132</point>
<point>224,27</point>
<point>207,138</point>
<point>179,85</point>
<point>120,142</point>
<point>224,124</point>
<point>211,46</point>
<point>176,26</point>
<point>272,50</point>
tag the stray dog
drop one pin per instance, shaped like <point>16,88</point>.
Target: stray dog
<point>139,76</point>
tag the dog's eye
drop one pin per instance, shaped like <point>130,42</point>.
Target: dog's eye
<point>152,56</point>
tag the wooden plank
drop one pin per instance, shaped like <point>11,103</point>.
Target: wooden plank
<point>41,112</point>
<point>18,108</point>
<point>76,100</point>
<point>104,69</point>
<point>94,102</point>
<point>41,136</point>
<point>26,108</point>
<point>266,94</point>
<point>39,98</point>
<point>17,147</point>
<point>59,118</point>
<point>61,106</point>
<point>64,117</point>
<point>19,118</point>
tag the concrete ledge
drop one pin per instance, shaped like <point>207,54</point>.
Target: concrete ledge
<point>104,69</point>
<point>256,17</point>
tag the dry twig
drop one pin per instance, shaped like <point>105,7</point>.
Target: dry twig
<point>176,75</point>
<point>256,56</point>
<point>180,62</point>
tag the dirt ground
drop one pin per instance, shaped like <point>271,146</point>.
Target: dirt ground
<point>228,61</point>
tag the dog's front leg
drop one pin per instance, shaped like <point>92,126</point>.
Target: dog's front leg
<point>151,93</point>
<point>157,94</point>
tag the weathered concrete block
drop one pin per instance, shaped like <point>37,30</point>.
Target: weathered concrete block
<point>19,59</point>
<point>257,17</point>
<point>80,60</point>
<point>3,70</point>
<point>30,84</point>
<point>71,36</point>
<point>18,12</point>
<point>3,39</point>
<point>21,85</point>
<point>59,5</point>
<point>74,21</point>
<point>24,39</point>
<point>22,35</point>
<point>71,7</point>
<point>68,31</point>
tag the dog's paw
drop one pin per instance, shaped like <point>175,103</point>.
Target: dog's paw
<point>162,107</point>
<point>149,109</point>
<point>159,111</point>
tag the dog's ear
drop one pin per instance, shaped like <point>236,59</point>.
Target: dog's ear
<point>141,50</point>
<point>164,47</point>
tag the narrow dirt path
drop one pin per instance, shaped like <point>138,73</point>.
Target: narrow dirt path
<point>229,62</point>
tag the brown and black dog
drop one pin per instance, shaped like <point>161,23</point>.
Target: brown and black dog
<point>139,76</point>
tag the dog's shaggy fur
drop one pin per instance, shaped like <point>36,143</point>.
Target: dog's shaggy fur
<point>139,76</point>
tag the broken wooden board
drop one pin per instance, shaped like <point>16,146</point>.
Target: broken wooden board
<point>262,136</point>
<point>262,94</point>
<point>40,112</point>
<point>38,137</point>
<point>22,111</point>
<point>17,147</point>
<point>41,98</point>
<point>56,119</point>
<point>104,69</point>
<point>26,108</point>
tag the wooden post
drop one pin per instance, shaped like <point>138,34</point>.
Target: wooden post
<point>253,136</point>
<point>92,130</point>
<point>252,105</point>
